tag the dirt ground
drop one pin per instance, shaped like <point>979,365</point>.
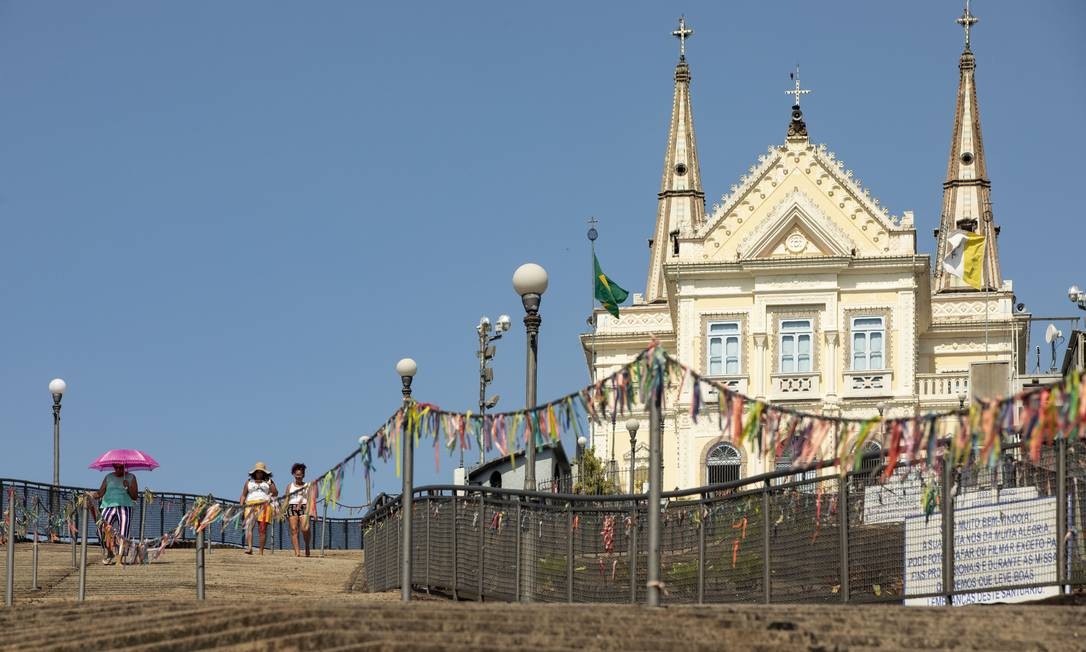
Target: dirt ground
<point>278,602</point>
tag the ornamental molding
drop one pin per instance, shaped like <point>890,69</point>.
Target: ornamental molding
<point>994,346</point>
<point>633,322</point>
<point>797,209</point>
<point>746,184</point>
<point>835,168</point>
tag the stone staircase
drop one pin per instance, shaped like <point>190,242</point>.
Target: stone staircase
<point>378,622</point>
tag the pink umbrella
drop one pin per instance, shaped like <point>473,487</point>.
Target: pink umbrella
<point>132,459</point>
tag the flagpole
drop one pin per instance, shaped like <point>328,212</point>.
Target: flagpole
<point>592,235</point>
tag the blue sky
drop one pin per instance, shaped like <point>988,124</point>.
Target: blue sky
<point>223,223</point>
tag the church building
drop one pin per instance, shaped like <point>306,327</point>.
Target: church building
<point>797,287</point>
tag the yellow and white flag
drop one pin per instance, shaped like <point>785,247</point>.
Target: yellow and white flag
<point>966,258</point>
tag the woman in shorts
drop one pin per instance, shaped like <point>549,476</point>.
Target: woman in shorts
<point>256,495</point>
<point>298,508</point>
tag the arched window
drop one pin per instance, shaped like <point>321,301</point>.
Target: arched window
<point>723,463</point>
<point>870,464</point>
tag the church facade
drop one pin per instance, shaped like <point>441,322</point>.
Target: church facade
<point>798,287</point>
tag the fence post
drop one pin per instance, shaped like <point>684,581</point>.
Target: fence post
<point>34,557</point>
<point>72,533</point>
<point>482,541</point>
<point>653,584</point>
<point>766,570</point>
<point>701,550</point>
<point>429,517</point>
<point>324,525</point>
<point>947,506</point>
<point>516,547</point>
<point>200,565</point>
<point>143,510</point>
<point>1061,512</point>
<point>569,551</point>
<point>83,551</point>
<point>9,586</point>
<point>842,515</point>
<point>455,561</point>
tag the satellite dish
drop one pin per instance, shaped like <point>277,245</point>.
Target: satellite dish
<point>1053,336</point>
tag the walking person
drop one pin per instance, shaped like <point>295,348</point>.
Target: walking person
<point>116,496</point>
<point>298,508</point>
<point>256,495</point>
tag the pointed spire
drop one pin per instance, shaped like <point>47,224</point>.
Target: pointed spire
<point>797,128</point>
<point>967,202</point>
<point>681,201</point>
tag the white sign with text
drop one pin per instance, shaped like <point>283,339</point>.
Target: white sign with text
<point>994,546</point>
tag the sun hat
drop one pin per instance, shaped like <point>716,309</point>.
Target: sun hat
<point>260,466</point>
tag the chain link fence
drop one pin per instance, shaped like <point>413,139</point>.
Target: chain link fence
<point>799,536</point>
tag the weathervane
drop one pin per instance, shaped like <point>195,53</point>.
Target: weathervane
<point>797,91</point>
<point>682,34</point>
<point>967,20</point>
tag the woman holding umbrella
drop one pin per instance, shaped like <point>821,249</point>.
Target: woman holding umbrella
<point>118,493</point>
<point>116,496</point>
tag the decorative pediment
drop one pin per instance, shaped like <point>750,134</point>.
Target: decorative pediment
<point>796,227</point>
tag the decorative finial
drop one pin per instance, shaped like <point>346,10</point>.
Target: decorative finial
<point>797,91</point>
<point>592,232</point>
<point>682,34</point>
<point>967,20</point>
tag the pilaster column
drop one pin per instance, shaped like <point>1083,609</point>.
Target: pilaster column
<point>832,339</point>
<point>759,381</point>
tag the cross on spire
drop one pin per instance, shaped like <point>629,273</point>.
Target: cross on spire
<point>682,34</point>
<point>797,91</point>
<point>967,20</point>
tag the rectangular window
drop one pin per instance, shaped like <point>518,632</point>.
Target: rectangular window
<point>868,343</point>
<point>796,345</point>
<point>724,348</point>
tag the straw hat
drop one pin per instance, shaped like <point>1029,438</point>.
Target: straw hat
<point>260,466</point>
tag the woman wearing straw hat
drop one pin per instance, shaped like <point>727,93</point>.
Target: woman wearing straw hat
<point>256,495</point>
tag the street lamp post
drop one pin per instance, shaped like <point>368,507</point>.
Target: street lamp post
<point>406,368</point>
<point>582,441</point>
<point>530,282</point>
<point>57,386</point>
<point>632,425</point>
<point>486,374</point>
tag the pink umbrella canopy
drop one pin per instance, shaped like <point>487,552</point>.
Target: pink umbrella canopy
<point>132,459</point>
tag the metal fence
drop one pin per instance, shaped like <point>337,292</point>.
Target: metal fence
<point>49,513</point>
<point>814,535</point>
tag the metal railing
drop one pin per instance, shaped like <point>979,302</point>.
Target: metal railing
<point>41,513</point>
<point>49,512</point>
<point>802,535</point>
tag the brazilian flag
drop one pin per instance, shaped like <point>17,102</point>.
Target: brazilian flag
<point>608,293</point>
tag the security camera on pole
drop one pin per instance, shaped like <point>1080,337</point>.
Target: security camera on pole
<point>486,374</point>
